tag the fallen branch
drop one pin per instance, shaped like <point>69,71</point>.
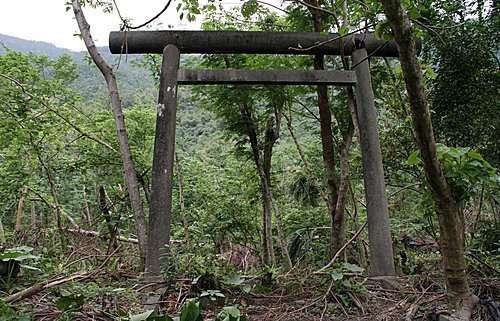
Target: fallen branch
<point>39,287</point>
<point>415,306</point>
<point>477,258</point>
<point>341,250</point>
<point>32,290</point>
<point>97,234</point>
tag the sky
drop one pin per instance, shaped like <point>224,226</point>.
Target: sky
<point>48,20</point>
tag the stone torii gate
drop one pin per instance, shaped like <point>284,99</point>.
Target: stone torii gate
<point>173,43</point>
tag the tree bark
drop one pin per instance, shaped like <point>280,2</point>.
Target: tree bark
<point>271,136</point>
<point>20,210</point>
<point>33,215</point>
<point>113,244</point>
<point>327,142</point>
<point>2,232</point>
<point>338,226</point>
<point>267,232</point>
<point>126,154</point>
<point>86,207</point>
<point>53,191</point>
<point>451,239</point>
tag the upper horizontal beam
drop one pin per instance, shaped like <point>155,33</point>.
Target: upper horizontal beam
<point>274,77</point>
<point>250,42</point>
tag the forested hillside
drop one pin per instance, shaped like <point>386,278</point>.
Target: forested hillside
<point>269,212</point>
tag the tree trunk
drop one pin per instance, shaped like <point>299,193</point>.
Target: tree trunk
<point>451,239</point>
<point>338,226</point>
<point>20,210</point>
<point>267,232</point>
<point>126,154</point>
<point>355,218</point>
<point>297,145</point>
<point>271,136</point>
<point>305,162</point>
<point>281,234</point>
<point>53,191</point>
<point>113,244</point>
<point>327,142</point>
<point>86,207</point>
<point>2,232</point>
<point>33,215</point>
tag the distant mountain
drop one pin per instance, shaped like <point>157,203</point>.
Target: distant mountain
<point>133,81</point>
<point>37,47</point>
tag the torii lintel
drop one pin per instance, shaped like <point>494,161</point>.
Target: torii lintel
<point>249,42</point>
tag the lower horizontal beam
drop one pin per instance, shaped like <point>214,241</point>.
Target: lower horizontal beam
<point>272,77</point>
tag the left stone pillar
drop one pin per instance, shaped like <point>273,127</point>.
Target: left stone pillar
<point>160,208</point>
<point>379,231</point>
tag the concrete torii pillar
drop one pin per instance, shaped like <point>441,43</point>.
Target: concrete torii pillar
<point>379,233</point>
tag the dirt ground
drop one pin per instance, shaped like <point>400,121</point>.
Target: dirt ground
<point>113,291</point>
<point>412,300</point>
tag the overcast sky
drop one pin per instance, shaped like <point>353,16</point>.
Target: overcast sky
<point>48,20</point>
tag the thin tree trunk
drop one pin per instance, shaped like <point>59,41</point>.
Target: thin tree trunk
<point>182,210</point>
<point>339,219</point>
<point>327,142</point>
<point>451,240</point>
<point>20,210</point>
<point>33,215</point>
<point>53,191</point>
<point>307,166</point>
<point>267,233</point>
<point>88,218</point>
<point>281,233</point>
<point>289,126</point>
<point>271,136</point>
<point>355,217</point>
<point>55,206</point>
<point>145,187</point>
<point>126,154</point>
<point>2,232</point>
<point>338,226</point>
<point>113,244</point>
<point>43,222</point>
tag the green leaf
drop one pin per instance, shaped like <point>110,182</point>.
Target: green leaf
<point>262,288</point>
<point>246,288</point>
<point>337,275</point>
<point>343,31</point>
<point>475,156</point>
<point>249,8</point>
<point>232,311</point>
<point>18,253</point>
<point>191,312</point>
<point>70,303</point>
<point>414,158</point>
<point>142,316</point>
<point>454,152</point>
<point>234,280</point>
<point>383,30</point>
<point>415,13</point>
<point>353,267</point>
<point>429,72</point>
<point>150,316</point>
